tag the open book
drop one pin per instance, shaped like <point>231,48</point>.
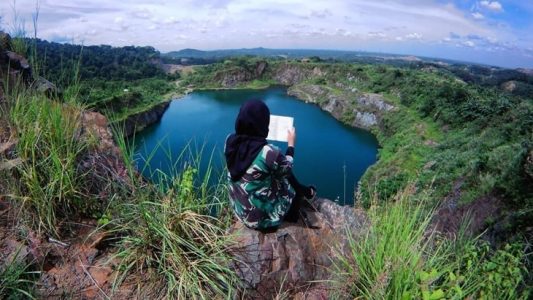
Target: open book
<point>279,127</point>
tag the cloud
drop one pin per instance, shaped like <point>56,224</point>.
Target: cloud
<point>321,14</point>
<point>377,34</point>
<point>469,44</point>
<point>492,5</point>
<point>478,16</point>
<point>413,36</point>
<point>388,26</point>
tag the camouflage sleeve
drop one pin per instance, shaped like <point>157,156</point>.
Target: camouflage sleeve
<point>279,164</point>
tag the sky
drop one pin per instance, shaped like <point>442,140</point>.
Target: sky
<point>490,32</point>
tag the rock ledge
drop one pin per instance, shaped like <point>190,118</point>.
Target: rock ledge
<point>294,255</point>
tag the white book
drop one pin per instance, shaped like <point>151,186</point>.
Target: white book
<point>279,128</point>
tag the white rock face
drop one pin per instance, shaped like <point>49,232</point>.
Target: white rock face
<point>375,101</point>
<point>364,119</point>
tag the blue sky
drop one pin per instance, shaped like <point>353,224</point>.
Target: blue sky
<point>490,32</point>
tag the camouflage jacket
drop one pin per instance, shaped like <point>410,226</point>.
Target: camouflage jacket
<point>263,195</point>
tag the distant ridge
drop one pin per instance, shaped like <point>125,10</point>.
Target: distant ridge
<point>343,55</point>
<point>260,51</point>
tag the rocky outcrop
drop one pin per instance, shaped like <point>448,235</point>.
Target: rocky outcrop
<point>294,256</point>
<point>229,79</point>
<point>238,75</point>
<point>364,119</point>
<point>290,74</point>
<point>15,67</point>
<point>375,101</point>
<point>139,121</point>
<point>363,110</point>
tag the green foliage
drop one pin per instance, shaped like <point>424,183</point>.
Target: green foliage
<point>99,75</point>
<point>382,264</point>
<point>400,258</point>
<point>96,62</point>
<point>49,147</point>
<point>169,229</point>
<point>16,280</point>
<point>120,98</point>
<point>486,274</point>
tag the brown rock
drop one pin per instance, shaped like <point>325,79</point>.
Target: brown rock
<point>102,162</point>
<point>294,255</point>
<point>5,42</point>
<point>18,66</point>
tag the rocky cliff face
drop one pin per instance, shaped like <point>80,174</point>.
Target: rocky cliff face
<point>295,256</point>
<point>363,110</point>
<point>139,121</point>
<point>235,76</point>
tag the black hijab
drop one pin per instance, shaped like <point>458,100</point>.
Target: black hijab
<point>251,130</point>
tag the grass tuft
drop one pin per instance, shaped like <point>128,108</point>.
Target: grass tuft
<point>171,236</point>
<point>49,146</point>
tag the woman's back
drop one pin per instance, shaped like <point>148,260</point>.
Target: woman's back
<point>263,195</point>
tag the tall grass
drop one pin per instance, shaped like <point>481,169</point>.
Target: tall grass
<point>49,146</point>
<point>402,258</point>
<point>16,280</point>
<point>170,236</point>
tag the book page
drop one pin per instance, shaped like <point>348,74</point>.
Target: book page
<point>279,127</point>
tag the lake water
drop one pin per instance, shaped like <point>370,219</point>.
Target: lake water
<point>328,154</point>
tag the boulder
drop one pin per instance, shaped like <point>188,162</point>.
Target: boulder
<point>18,66</point>
<point>44,86</point>
<point>335,106</point>
<point>5,41</point>
<point>295,256</point>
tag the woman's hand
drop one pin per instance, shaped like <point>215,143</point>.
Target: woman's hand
<point>291,137</point>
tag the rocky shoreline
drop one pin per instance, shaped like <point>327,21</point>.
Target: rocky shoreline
<point>139,121</point>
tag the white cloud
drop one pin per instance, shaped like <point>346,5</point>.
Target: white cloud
<point>478,16</point>
<point>215,24</point>
<point>492,5</point>
<point>377,34</point>
<point>469,44</point>
<point>413,36</point>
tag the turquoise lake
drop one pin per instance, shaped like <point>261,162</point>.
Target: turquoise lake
<point>328,154</point>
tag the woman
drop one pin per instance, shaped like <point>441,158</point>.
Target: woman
<point>263,190</point>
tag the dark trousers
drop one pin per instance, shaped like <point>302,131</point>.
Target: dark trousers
<point>298,201</point>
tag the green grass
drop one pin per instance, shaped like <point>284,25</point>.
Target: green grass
<point>400,257</point>
<point>49,146</point>
<point>173,235</point>
<point>16,279</point>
